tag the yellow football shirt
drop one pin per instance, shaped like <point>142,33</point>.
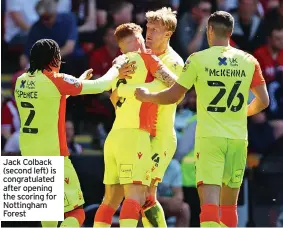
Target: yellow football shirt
<point>222,77</point>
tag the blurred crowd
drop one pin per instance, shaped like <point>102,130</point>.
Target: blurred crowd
<point>84,30</point>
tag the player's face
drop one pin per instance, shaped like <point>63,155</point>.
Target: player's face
<point>156,35</point>
<point>131,43</point>
<point>276,39</point>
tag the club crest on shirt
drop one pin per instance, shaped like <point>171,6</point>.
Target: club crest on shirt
<point>186,65</point>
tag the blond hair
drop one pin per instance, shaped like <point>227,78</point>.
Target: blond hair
<point>165,16</point>
<point>127,29</point>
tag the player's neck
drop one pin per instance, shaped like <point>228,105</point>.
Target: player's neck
<point>162,49</point>
<point>220,42</point>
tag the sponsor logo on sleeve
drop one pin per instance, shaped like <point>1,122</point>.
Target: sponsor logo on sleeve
<point>72,81</point>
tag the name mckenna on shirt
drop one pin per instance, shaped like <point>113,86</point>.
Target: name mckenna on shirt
<point>225,72</point>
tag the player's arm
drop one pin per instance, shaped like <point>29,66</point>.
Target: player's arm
<point>101,84</point>
<point>174,93</point>
<point>69,85</point>
<point>165,76</point>
<point>170,72</point>
<point>127,90</point>
<point>261,100</point>
<point>258,87</point>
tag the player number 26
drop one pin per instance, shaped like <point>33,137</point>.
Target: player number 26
<point>222,90</point>
<point>27,128</point>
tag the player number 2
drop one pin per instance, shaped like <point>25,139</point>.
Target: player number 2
<point>121,100</point>
<point>26,128</point>
<point>233,93</point>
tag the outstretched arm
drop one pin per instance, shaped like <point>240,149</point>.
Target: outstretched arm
<point>174,93</point>
<point>102,84</point>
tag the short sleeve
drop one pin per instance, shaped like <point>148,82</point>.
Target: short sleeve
<point>66,84</point>
<point>257,76</point>
<point>175,66</point>
<point>189,73</point>
<point>152,62</point>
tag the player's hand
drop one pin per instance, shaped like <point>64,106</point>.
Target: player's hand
<point>127,69</point>
<point>86,75</point>
<point>120,61</point>
<point>142,94</point>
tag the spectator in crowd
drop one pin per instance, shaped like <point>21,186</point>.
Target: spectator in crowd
<point>74,148</point>
<point>171,197</point>
<point>99,105</point>
<point>185,154</point>
<point>275,109</point>
<point>186,140</point>
<point>12,147</point>
<point>191,29</point>
<point>185,110</point>
<point>268,5</point>
<point>20,16</point>
<point>275,15</point>
<point>10,121</point>
<point>119,12</point>
<point>263,133</point>
<point>182,114</point>
<point>85,11</point>
<point>270,55</point>
<point>249,32</point>
<point>101,59</point>
<point>63,29</point>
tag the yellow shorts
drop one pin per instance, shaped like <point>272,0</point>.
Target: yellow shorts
<point>72,189</point>
<point>162,152</point>
<point>127,157</point>
<point>220,161</point>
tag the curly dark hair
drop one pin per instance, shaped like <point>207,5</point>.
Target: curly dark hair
<point>44,54</point>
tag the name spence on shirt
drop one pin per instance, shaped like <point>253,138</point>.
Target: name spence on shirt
<point>28,95</point>
<point>225,72</point>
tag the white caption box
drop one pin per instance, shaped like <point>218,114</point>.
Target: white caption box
<point>31,188</point>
